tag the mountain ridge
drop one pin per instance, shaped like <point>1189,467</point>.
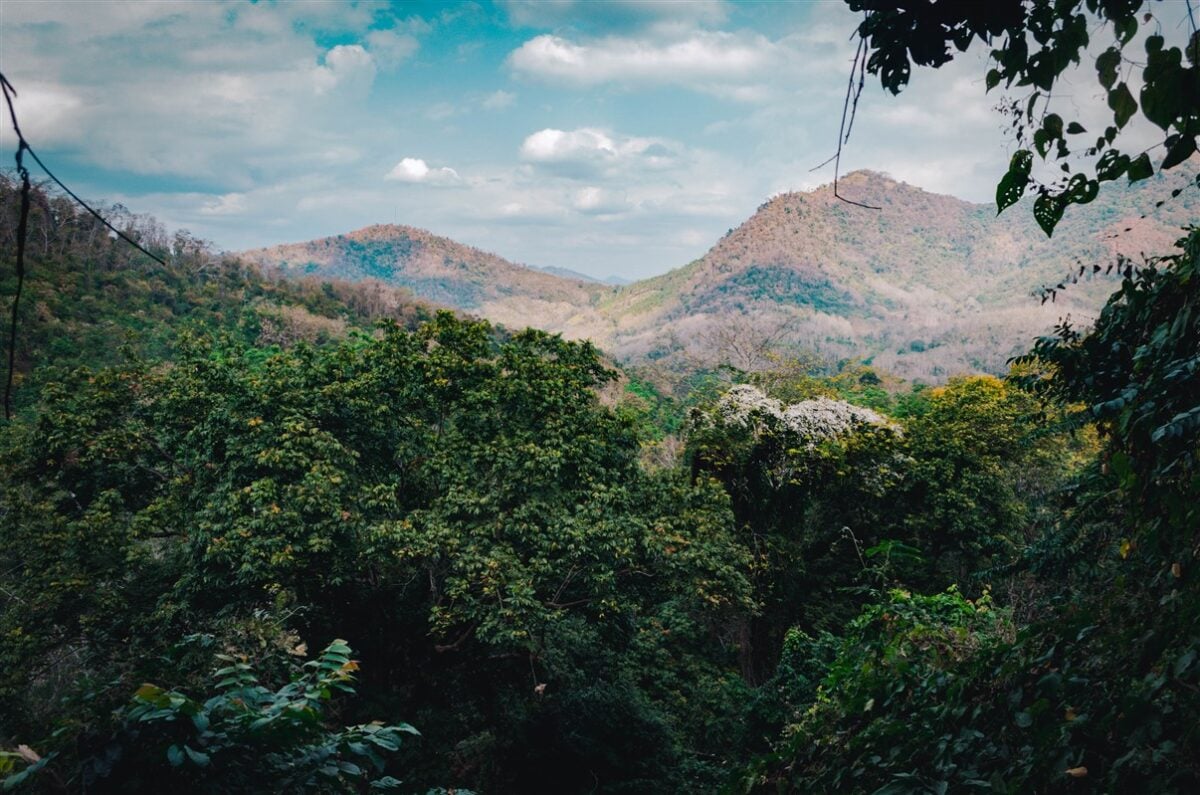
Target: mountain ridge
<point>926,285</point>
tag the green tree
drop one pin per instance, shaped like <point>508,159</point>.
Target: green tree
<point>1034,43</point>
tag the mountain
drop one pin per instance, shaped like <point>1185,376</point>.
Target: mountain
<point>441,270</point>
<point>925,285</point>
<point>567,273</point>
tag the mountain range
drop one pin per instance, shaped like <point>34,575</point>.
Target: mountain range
<point>924,285</point>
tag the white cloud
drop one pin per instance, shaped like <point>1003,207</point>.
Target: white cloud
<point>46,112</point>
<point>598,201</point>
<point>727,64</point>
<point>499,99</point>
<point>614,13</point>
<point>229,204</point>
<point>345,65</point>
<point>391,48</point>
<point>588,152</point>
<point>416,170</point>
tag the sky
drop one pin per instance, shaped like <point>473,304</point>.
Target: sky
<point>614,138</point>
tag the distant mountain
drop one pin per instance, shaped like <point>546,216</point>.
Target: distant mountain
<point>925,286</point>
<point>439,269</point>
<point>567,273</point>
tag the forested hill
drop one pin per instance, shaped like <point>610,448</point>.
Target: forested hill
<point>925,286</point>
<point>89,299</point>
<point>441,270</point>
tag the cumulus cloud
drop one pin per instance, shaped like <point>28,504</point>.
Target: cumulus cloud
<point>416,170</point>
<point>723,63</point>
<point>588,151</point>
<point>345,65</point>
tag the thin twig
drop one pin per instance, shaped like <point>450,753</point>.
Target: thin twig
<point>849,113</point>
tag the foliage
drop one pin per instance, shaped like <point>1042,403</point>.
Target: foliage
<point>883,683</point>
<point>1035,43</point>
<point>1137,374</point>
<point>91,300</point>
<point>468,491</point>
<point>243,735</point>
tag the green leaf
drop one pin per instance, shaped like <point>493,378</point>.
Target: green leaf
<point>1123,104</point>
<point>1112,165</point>
<point>1075,128</point>
<point>1140,168</point>
<point>1023,719</point>
<point>175,755</point>
<point>993,79</point>
<point>1053,124</point>
<point>1013,183</point>
<point>1106,65</point>
<point>1081,190</point>
<point>1125,28</point>
<point>1179,150</point>
<point>200,759</point>
<point>1047,211</point>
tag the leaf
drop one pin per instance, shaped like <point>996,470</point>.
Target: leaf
<point>1023,719</point>
<point>1125,28</point>
<point>1178,151</point>
<point>1106,65</point>
<point>1123,104</point>
<point>201,759</point>
<point>1013,183</point>
<point>1077,772</point>
<point>1081,190</point>
<point>1048,211</point>
<point>993,79</point>
<point>1141,168</point>
<point>175,755</point>
<point>1112,165</point>
<point>1053,125</point>
<point>1075,128</point>
<point>148,692</point>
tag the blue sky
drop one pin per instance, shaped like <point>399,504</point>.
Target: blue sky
<point>609,137</point>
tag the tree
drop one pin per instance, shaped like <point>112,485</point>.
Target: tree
<point>1034,43</point>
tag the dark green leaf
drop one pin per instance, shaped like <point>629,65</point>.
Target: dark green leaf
<point>1112,165</point>
<point>1123,104</point>
<point>1013,183</point>
<point>199,758</point>
<point>1106,65</point>
<point>1140,168</point>
<point>1048,210</point>
<point>1178,150</point>
<point>1125,28</point>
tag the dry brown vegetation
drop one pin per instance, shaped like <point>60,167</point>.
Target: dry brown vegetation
<point>927,286</point>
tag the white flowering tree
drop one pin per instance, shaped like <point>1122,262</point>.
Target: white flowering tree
<point>808,482</point>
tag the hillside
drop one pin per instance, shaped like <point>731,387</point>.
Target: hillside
<point>440,270</point>
<point>925,286</point>
<point>91,300</point>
